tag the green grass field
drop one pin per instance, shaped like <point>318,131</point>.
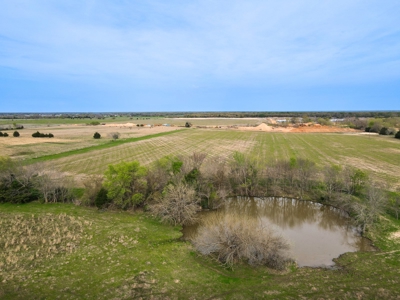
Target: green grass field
<point>90,254</point>
<point>379,156</point>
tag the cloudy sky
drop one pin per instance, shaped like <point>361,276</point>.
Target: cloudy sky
<point>183,55</point>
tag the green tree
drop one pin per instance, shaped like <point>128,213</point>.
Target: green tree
<point>96,135</point>
<point>126,184</point>
<point>16,134</point>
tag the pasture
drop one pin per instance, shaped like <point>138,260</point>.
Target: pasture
<point>89,254</point>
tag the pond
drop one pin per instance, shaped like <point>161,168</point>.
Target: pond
<point>317,233</point>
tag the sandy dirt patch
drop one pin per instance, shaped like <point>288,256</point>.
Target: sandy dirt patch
<point>320,128</point>
<point>308,128</point>
<point>302,128</point>
<point>395,235</point>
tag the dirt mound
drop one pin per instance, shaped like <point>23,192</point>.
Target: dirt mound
<point>261,127</point>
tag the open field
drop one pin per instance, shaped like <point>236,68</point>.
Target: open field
<point>173,121</point>
<point>68,252</point>
<point>67,138</point>
<point>89,254</point>
<point>379,155</point>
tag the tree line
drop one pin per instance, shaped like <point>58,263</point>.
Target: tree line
<point>175,188</point>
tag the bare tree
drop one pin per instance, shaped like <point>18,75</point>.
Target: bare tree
<point>54,186</point>
<point>368,212</point>
<point>233,238</point>
<point>178,206</point>
<point>93,185</point>
<point>114,135</point>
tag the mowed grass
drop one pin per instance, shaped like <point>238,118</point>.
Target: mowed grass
<point>379,156</point>
<point>81,253</point>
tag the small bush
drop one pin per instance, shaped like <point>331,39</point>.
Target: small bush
<point>384,131</point>
<point>1,134</point>
<point>93,123</point>
<point>233,238</point>
<point>16,134</point>
<point>397,136</point>
<point>114,135</point>
<point>5,134</point>
<point>96,135</point>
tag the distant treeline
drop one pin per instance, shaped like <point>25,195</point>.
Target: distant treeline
<point>322,114</point>
<point>259,114</point>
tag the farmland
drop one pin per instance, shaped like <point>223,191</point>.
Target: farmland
<point>375,154</point>
<point>69,251</point>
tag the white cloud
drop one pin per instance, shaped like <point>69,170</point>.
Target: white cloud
<point>241,42</point>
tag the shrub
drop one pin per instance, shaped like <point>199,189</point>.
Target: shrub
<point>101,199</point>
<point>1,134</point>
<point>178,205</point>
<point>397,136</point>
<point>93,185</point>
<point>384,131</point>
<point>114,135</point>
<point>96,135</point>
<point>5,134</point>
<point>233,238</point>
<point>16,134</point>
<point>94,123</point>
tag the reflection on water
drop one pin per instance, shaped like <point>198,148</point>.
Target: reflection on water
<point>317,233</point>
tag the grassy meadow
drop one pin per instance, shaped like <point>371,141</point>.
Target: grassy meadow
<point>91,254</point>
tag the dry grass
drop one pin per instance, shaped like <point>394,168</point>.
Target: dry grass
<point>28,239</point>
<point>67,137</point>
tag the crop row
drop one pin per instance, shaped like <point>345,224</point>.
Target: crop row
<point>379,155</point>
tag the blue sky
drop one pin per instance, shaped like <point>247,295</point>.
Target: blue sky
<point>205,55</point>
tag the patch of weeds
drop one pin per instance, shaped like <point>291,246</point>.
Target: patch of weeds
<point>26,240</point>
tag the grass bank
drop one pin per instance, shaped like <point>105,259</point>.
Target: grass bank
<point>98,147</point>
<point>91,254</point>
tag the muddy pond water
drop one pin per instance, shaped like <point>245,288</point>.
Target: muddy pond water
<point>317,233</point>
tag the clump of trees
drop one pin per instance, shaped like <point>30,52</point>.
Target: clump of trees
<point>96,135</point>
<point>232,238</point>
<point>38,134</point>
<point>23,184</point>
